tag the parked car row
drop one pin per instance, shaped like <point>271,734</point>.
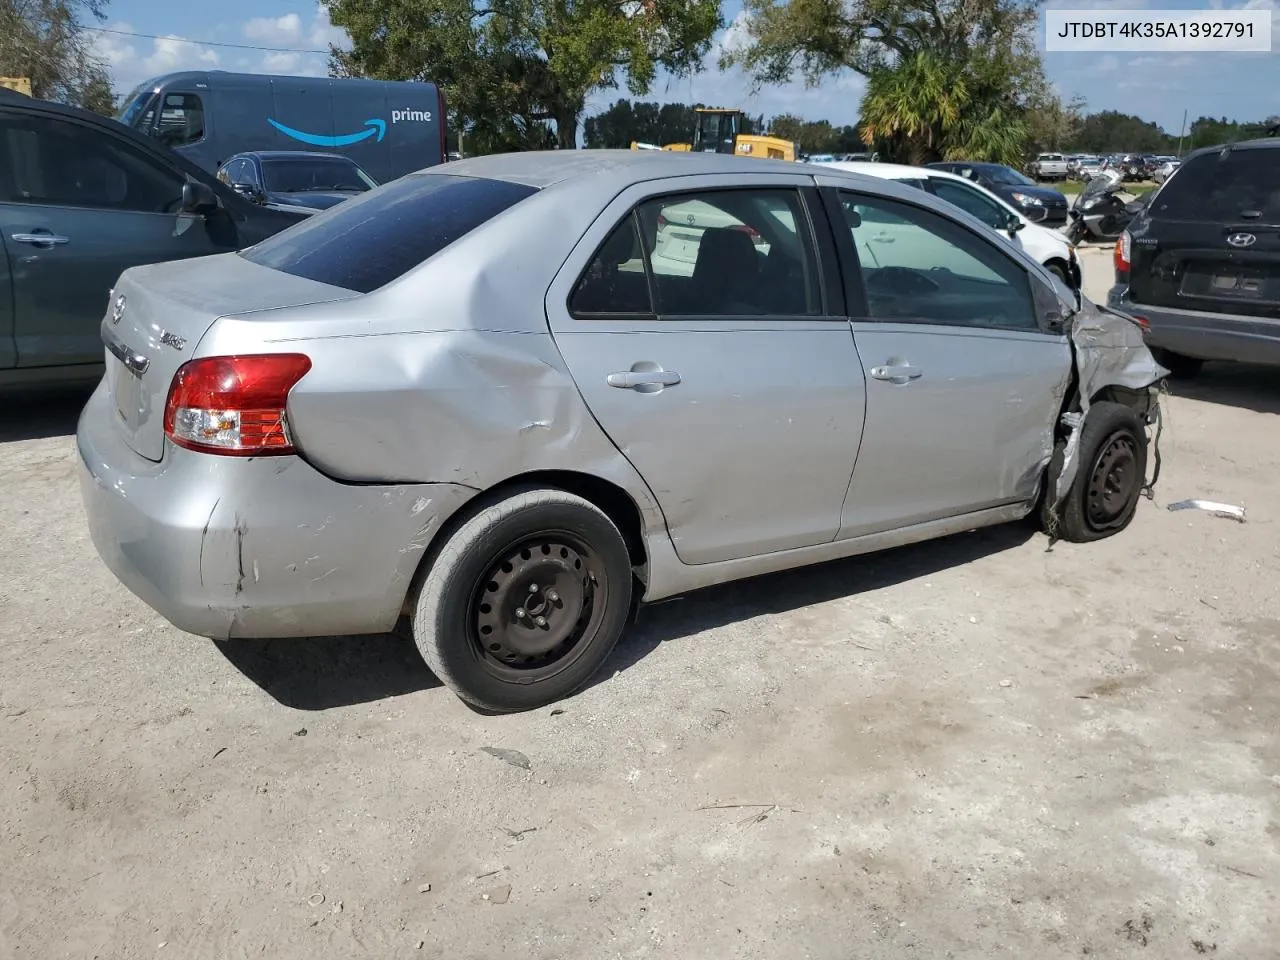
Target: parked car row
<point>1042,205</point>
<point>287,444</point>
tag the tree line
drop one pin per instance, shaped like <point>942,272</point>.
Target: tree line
<point>1105,132</point>
<point>943,79</point>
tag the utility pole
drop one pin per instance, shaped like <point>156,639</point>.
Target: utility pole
<point>1181,133</point>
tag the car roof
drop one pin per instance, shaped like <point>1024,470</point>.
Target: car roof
<point>1264,143</point>
<point>543,168</point>
<point>890,171</point>
<point>291,154</point>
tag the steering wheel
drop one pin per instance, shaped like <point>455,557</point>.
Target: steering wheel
<point>901,280</point>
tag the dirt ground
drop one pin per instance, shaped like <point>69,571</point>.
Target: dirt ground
<point>967,749</point>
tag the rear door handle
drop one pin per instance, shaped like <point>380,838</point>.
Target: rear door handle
<point>40,239</point>
<point>901,373</point>
<point>643,378</point>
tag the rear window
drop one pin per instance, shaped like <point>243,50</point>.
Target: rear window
<point>1224,187</point>
<point>366,242</point>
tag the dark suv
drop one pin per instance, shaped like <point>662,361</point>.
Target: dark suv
<point>81,199</point>
<point>1201,264</point>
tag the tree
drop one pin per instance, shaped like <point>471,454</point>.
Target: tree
<point>46,42</point>
<point>1052,126</point>
<point>509,66</point>
<point>977,59</point>
<point>1112,132</point>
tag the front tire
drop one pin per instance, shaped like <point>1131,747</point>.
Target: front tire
<point>1109,480</point>
<point>526,600</point>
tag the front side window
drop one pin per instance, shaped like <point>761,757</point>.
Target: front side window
<point>44,160</point>
<point>371,240</point>
<point>972,202</point>
<point>918,267</point>
<point>181,119</point>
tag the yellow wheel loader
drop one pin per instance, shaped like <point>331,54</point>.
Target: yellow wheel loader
<point>720,131</point>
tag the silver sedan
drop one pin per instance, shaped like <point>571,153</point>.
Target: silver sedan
<point>513,396</point>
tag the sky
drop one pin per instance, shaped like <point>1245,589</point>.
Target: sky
<point>1154,86</point>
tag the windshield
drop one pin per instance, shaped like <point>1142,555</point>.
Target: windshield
<point>1007,175</point>
<point>1100,184</point>
<point>301,174</point>
<point>135,103</point>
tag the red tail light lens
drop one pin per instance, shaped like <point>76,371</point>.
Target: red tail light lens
<point>234,406</point>
<point>1120,258</point>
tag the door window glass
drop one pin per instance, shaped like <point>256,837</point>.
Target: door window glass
<point>181,119</point>
<point>731,253</point>
<point>58,162</point>
<point>920,267</point>
<point>971,201</point>
<point>614,283</point>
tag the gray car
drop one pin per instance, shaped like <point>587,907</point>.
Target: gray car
<point>476,396</point>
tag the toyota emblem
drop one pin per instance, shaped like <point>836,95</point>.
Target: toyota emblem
<point>1242,239</point>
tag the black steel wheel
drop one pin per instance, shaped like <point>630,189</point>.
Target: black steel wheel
<point>525,600</point>
<point>1108,483</point>
<point>532,608</point>
<point>1113,483</point>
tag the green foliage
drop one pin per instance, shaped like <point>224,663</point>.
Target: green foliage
<point>45,41</point>
<point>944,77</point>
<point>508,67</point>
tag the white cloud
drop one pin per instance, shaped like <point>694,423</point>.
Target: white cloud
<point>279,31</point>
<point>133,60</point>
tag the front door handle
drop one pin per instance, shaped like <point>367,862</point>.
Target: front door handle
<point>40,239</point>
<point>632,379</point>
<point>899,373</point>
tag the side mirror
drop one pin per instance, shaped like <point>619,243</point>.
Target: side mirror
<point>249,191</point>
<point>197,197</point>
<point>1013,225</point>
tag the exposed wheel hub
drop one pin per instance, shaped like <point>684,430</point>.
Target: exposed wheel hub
<point>1113,482</point>
<point>532,605</point>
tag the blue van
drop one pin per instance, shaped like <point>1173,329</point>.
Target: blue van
<point>388,128</point>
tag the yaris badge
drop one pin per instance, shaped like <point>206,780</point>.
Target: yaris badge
<point>1242,239</point>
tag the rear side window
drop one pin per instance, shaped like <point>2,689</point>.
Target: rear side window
<point>1224,187</point>
<point>366,242</point>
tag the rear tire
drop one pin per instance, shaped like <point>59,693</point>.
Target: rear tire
<point>526,600</point>
<point>1179,366</point>
<point>1109,481</point>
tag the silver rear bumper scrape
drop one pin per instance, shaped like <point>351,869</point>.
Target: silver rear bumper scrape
<point>242,547</point>
<point>1109,352</point>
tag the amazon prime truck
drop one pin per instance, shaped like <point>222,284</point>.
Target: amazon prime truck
<point>388,128</point>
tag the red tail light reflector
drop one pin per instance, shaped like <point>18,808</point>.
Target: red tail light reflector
<point>234,406</point>
<point>1120,258</point>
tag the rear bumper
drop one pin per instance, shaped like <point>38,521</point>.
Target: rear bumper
<point>1202,334</point>
<point>269,547</point>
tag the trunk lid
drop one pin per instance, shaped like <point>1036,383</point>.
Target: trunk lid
<point>157,316</point>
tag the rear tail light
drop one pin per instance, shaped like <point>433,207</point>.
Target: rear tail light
<point>234,406</point>
<point>1121,256</point>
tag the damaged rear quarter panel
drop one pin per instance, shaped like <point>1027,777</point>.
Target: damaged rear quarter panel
<point>450,374</point>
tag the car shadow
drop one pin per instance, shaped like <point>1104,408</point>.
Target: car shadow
<point>40,415</point>
<point>319,673</point>
<point>1244,385</point>
<point>713,607</point>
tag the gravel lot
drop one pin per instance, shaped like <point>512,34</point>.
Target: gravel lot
<point>966,749</point>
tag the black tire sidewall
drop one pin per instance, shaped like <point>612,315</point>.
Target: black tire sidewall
<point>1102,422</point>
<point>453,647</point>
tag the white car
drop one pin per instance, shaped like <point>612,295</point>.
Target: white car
<point>1048,246</point>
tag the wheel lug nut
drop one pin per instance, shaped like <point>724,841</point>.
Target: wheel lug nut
<point>540,621</point>
<point>521,613</point>
<point>553,596</point>
<point>533,588</point>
